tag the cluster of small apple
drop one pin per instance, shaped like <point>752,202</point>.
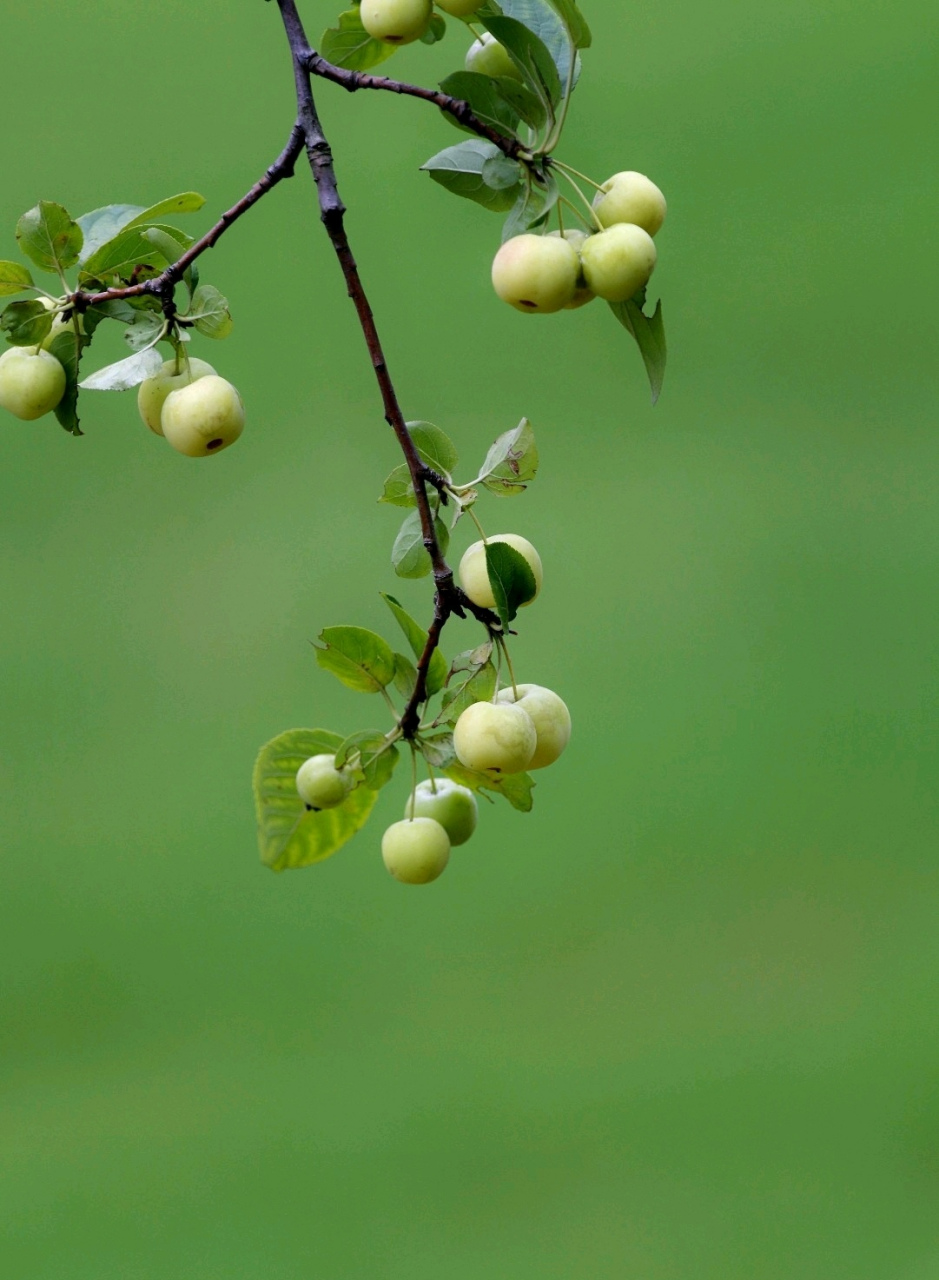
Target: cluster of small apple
<point>195,410</point>
<point>523,727</point>
<point>566,269</point>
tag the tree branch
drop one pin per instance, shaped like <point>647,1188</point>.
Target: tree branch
<point>461,111</point>
<point>448,598</point>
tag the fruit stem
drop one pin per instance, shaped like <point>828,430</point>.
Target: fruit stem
<point>508,661</point>
<point>598,225</point>
<point>567,168</point>
<point>413,777</point>
<point>430,774</point>
<point>472,515</point>
<point>574,210</point>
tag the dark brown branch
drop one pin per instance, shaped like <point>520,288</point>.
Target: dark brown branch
<point>461,111</point>
<point>448,599</point>
<point>162,286</point>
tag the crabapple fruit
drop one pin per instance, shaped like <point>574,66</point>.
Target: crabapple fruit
<point>549,715</point>
<point>453,806</point>
<point>487,57</point>
<point>537,274</point>
<point>618,262</point>
<point>203,418</point>
<point>415,850</point>
<point>630,197</point>
<point>495,735</point>
<point>320,784</point>
<point>582,294</point>
<point>32,382</point>
<point>152,394</point>
<point>396,21</point>
<point>474,576</point>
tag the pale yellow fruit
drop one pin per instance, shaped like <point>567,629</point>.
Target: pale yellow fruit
<point>491,735</point>
<point>448,803</point>
<point>397,21</point>
<point>203,418</point>
<point>32,382</point>
<point>320,784</point>
<point>630,197</point>
<point>537,274</point>
<point>459,8</point>
<point>474,576</point>
<point>582,294</point>
<point>152,394</point>
<point>415,851</point>
<point>487,57</point>
<point>618,262</point>
<point>549,715</point>
<point>59,325</point>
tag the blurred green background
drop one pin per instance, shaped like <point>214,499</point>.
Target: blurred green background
<point>681,1023</point>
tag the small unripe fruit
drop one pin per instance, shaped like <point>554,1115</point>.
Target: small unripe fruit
<point>537,274</point>
<point>32,382</point>
<point>487,57</point>
<point>320,784</point>
<point>397,21</point>
<point>490,735</point>
<point>618,262</point>
<point>549,715</point>
<point>459,8</point>
<point>152,394</point>
<point>582,294</point>
<point>474,576</point>
<point>415,852</point>
<point>203,418</point>
<point>453,806</point>
<point>59,325</point>
<point>630,197</point>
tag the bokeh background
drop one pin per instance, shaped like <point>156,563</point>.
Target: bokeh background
<point>681,1023</point>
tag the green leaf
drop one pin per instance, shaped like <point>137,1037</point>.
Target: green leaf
<point>514,787</point>
<point>460,170</point>
<point>435,447</point>
<point>479,686</point>
<point>125,373</point>
<point>359,658</point>
<point>398,490</point>
<point>574,21</point>
<point>14,278</point>
<point>501,173</point>
<point>289,834</point>
<point>405,675</point>
<point>130,253</point>
<point>417,639</point>
<point>145,329</point>
<point>186,202</point>
<point>370,756</point>
<point>101,225</point>
<point>349,45</point>
<point>471,659</point>
<point>544,20</point>
<point>437,750</point>
<point>511,579</point>
<point>49,237</point>
<point>26,323</point>
<point>409,557</point>
<point>436,30</point>
<point>210,311</point>
<point>67,349</point>
<point>649,333</point>
<point>115,309</point>
<point>512,461</point>
<point>529,53</point>
<point>536,198</point>
<point>484,96</point>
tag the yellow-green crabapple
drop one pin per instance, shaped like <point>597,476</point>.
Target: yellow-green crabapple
<point>618,262</point>
<point>59,325</point>
<point>448,803</point>
<point>487,57</point>
<point>416,850</point>
<point>320,784</point>
<point>203,418</point>
<point>494,735</point>
<point>549,715</point>
<point>630,197</point>
<point>32,382</point>
<point>396,21</point>
<point>582,293</point>
<point>152,394</point>
<point>474,576</point>
<point>536,274</point>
